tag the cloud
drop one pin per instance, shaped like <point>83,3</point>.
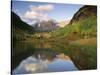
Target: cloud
<point>42,8</point>
<point>37,13</point>
<point>32,15</point>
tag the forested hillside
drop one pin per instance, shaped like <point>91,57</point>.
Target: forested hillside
<point>20,29</point>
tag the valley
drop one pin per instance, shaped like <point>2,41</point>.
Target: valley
<point>77,39</point>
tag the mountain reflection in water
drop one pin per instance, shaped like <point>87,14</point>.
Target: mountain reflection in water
<point>38,64</point>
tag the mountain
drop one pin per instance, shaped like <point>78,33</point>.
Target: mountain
<point>20,29</point>
<point>81,37</point>
<point>82,25</point>
<point>46,26</point>
<point>84,12</point>
<point>63,23</point>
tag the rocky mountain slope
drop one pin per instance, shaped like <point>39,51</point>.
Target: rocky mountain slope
<point>46,26</point>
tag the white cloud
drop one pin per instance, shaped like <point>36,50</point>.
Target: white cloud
<point>37,13</point>
<point>42,8</point>
<point>32,15</point>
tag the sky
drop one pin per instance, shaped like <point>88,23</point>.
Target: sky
<point>31,12</point>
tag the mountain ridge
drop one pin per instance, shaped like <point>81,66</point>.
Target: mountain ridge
<point>44,26</point>
<point>82,25</point>
<point>20,29</point>
<point>84,12</point>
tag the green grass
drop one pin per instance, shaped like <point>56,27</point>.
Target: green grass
<point>80,29</point>
<point>77,41</point>
<point>81,38</point>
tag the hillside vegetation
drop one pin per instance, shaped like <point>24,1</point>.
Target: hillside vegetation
<point>78,39</point>
<point>82,25</point>
<point>81,36</point>
<point>82,29</point>
<point>20,29</point>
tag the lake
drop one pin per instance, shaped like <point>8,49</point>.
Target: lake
<point>39,57</point>
<point>29,57</point>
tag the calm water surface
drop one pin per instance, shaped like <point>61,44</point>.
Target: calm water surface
<point>40,57</point>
